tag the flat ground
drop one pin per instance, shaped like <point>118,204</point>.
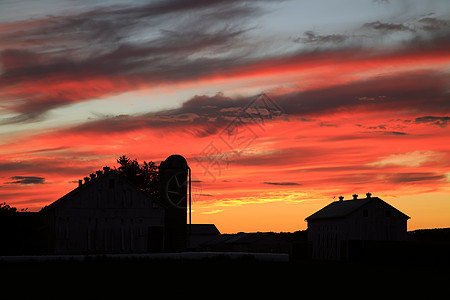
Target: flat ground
<point>129,278</point>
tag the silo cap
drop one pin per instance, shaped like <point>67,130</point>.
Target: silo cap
<point>174,161</point>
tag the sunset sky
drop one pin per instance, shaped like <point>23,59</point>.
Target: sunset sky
<point>354,97</point>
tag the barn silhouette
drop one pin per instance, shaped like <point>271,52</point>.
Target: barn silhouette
<point>107,213</point>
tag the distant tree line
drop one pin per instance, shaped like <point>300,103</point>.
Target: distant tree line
<point>6,209</point>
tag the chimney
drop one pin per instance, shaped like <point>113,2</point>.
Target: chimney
<point>80,182</point>
<point>368,195</point>
<point>92,175</point>
<point>355,196</point>
<point>106,169</point>
<point>341,198</point>
<point>99,173</point>
<point>86,179</point>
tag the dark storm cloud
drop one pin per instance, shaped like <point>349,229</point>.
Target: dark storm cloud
<point>26,180</point>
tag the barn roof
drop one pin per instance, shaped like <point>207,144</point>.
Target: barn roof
<point>104,176</point>
<point>341,208</point>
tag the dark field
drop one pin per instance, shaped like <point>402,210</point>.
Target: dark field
<point>129,278</point>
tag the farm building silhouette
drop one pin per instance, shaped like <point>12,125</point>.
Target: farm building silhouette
<point>107,213</point>
<point>337,229</point>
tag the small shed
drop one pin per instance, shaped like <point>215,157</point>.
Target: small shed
<point>201,233</point>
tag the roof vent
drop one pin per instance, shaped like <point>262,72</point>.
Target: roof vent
<point>80,182</point>
<point>368,195</point>
<point>106,169</point>
<point>355,196</point>
<point>92,175</point>
<point>99,173</point>
<point>86,179</point>
<point>341,198</point>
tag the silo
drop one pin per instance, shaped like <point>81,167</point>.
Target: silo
<point>174,182</point>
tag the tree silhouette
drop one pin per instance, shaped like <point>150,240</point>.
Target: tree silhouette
<point>145,176</point>
<point>6,209</point>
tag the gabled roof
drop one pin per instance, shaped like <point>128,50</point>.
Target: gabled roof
<point>110,173</point>
<point>341,209</point>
